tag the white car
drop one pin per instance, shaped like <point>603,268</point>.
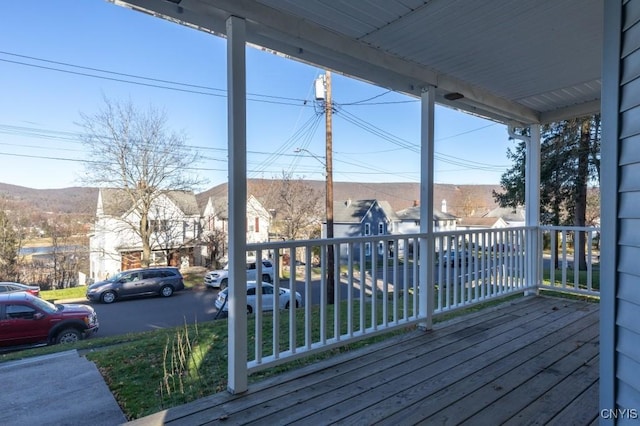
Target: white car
<point>220,278</point>
<point>284,299</point>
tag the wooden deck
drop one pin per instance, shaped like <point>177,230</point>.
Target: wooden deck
<point>532,361</point>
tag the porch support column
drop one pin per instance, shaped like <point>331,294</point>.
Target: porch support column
<point>532,209</point>
<point>237,196</point>
<point>427,255</point>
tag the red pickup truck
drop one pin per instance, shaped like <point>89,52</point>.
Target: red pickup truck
<point>29,320</point>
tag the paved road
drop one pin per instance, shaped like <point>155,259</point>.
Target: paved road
<point>152,313</point>
<point>190,306</point>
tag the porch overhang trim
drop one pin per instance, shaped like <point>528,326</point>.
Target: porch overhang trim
<point>309,43</point>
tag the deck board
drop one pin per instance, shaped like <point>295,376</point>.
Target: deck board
<point>530,361</point>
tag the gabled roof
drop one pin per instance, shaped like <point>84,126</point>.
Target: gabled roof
<point>116,201</point>
<point>351,211</point>
<point>413,214</point>
<point>482,222</point>
<point>220,205</point>
<point>354,211</point>
<point>509,214</point>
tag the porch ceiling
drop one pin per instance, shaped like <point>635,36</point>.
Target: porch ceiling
<point>530,61</point>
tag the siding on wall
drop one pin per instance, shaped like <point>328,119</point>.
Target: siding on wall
<point>627,310</point>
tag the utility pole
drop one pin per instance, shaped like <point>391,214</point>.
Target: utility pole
<point>329,189</point>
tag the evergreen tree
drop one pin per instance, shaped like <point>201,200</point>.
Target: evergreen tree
<point>570,161</point>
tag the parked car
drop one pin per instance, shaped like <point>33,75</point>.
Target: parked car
<point>268,290</point>
<point>28,320</point>
<point>220,278</point>
<point>451,257</point>
<point>163,281</point>
<point>10,286</point>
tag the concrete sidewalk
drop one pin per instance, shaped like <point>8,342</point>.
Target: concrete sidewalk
<point>58,389</point>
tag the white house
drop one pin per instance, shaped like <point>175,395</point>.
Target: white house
<point>115,245</point>
<point>215,216</point>
<point>511,216</point>
<point>467,223</point>
<point>409,221</point>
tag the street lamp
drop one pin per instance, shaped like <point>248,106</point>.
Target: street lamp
<point>320,159</point>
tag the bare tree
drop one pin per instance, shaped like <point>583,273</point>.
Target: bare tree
<point>299,208</point>
<point>469,201</point>
<point>69,253</point>
<point>133,150</point>
<point>215,241</point>
<point>8,249</point>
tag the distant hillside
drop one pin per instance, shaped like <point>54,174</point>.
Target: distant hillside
<point>66,200</point>
<point>461,200</point>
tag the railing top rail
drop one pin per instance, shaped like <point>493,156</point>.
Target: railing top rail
<point>386,237</point>
<point>341,240</point>
<point>569,228</point>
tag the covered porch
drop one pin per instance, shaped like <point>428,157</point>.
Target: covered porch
<point>530,360</point>
<point>498,60</point>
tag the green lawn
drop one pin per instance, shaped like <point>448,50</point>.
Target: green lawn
<point>582,277</point>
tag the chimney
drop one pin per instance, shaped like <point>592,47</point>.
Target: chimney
<point>416,203</point>
<point>443,208</point>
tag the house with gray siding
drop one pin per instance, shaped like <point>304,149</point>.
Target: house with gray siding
<point>361,218</point>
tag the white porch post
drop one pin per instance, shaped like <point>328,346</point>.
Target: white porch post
<point>532,209</point>
<point>427,256</point>
<point>237,194</point>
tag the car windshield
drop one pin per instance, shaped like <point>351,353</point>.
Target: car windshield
<point>114,278</point>
<point>48,307</point>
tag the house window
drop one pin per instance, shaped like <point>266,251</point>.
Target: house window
<point>381,247</point>
<point>381,228</point>
<point>390,227</point>
<point>367,249</point>
<point>257,228</point>
<point>159,225</point>
<point>367,229</point>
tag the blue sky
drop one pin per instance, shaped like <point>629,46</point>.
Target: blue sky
<point>60,58</point>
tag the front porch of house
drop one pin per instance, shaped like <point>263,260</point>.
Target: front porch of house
<point>530,360</point>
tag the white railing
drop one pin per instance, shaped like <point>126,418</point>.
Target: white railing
<point>373,292</point>
<point>478,265</point>
<point>569,267</point>
<point>377,284</point>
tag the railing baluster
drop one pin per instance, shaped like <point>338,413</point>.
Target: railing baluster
<point>385,283</point>
<point>308,334</point>
<point>363,287</point>
<point>323,294</point>
<point>337,314</point>
<point>350,290</point>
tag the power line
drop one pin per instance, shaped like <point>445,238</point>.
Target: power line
<point>368,99</point>
<point>405,144</point>
<point>302,103</point>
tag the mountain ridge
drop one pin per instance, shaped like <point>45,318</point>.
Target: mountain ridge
<point>400,195</point>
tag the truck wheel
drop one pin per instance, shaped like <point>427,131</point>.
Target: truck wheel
<point>68,335</point>
<point>223,284</point>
